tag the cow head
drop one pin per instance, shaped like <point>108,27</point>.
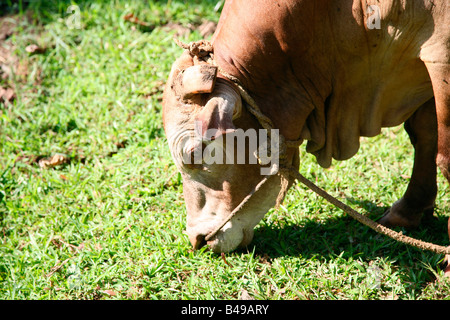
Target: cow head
<point>202,113</point>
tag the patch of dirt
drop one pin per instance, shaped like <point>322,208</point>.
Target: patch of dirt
<point>7,95</point>
<point>13,69</point>
<point>7,26</point>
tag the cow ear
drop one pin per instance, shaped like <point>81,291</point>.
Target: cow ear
<point>195,80</point>
<point>216,117</point>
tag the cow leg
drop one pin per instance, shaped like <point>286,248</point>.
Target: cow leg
<point>440,78</point>
<point>420,195</point>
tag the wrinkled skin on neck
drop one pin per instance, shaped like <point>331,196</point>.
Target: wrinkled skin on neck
<point>319,73</point>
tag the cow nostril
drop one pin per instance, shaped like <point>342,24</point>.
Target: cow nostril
<point>198,241</point>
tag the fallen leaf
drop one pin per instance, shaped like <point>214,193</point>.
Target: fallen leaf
<point>56,268</point>
<point>34,48</point>
<point>7,26</point>
<point>110,292</point>
<point>121,144</point>
<point>133,19</point>
<point>226,262</point>
<point>53,161</point>
<point>245,295</point>
<point>7,95</point>
<point>31,48</point>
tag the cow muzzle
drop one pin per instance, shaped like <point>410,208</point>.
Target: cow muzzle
<point>228,238</point>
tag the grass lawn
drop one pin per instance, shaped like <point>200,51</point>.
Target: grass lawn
<point>91,203</point>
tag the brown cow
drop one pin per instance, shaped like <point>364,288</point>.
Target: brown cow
<point>327,72</point>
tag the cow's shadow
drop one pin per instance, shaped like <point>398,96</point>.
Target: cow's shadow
<point>346,237</point>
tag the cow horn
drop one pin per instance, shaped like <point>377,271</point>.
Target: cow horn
<point>195,80</point>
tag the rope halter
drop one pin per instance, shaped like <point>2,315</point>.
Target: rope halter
<point>204,51</point>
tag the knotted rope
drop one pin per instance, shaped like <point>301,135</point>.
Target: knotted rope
<point>204,50</point>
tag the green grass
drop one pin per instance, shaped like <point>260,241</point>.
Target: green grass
<point>109,224</point>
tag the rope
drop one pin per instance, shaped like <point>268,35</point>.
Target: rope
<point>236,210</point>
<point>204,50</point>
<point>398,236</point>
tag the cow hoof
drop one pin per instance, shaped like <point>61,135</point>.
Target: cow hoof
<point>402,215</point>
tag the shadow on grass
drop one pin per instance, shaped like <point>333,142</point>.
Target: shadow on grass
<point>346,237</point>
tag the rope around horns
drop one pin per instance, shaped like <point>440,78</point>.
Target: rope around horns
<point>204,50</point>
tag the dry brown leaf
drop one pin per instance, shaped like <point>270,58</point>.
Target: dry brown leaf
<point>7,95</point>
<point>110,292</point>
<point>225,260</point>
<point>245,295</point>
<point>56,268</point>
<point>34,48</point>
<point>31,48</point>
<point>53,161</point>
<point>133,19</point>
<point>7,26</point>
